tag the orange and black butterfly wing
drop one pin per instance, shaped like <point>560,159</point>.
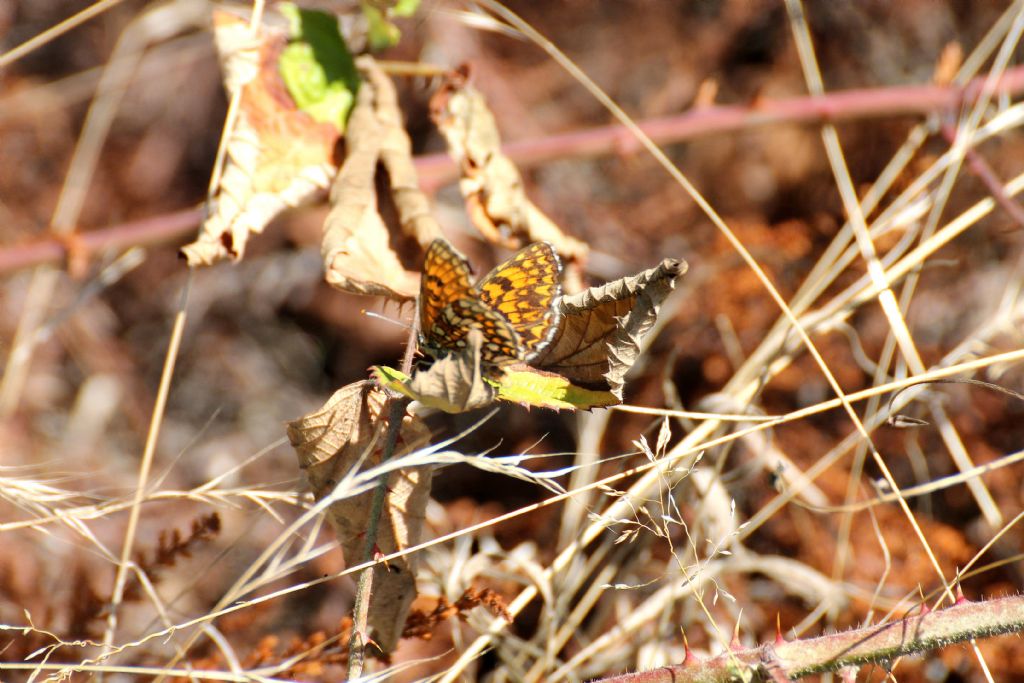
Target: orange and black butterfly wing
<point>450,331</point>
<point>445,278</point>
<point>524,290</point>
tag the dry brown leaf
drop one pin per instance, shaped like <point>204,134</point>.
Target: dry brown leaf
<point>348,432</point>
<point>277,156</point>
<point>411,203</point>
<point>490,183</point>
<point>455,383</point>
<point>356,248</point>
<point>599,336</point>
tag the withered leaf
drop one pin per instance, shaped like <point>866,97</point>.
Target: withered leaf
<point>278,156</point>
<point>356,246</point>
<point>490,183</point>
<point>601,328</point>
<point>347,433</point>
<point>454,384</point>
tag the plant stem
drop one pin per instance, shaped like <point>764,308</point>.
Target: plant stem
<point>361,608</point>
<point>437,170</point>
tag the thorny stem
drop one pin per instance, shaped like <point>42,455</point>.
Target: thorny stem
<point>361,608</point>
<point>880,643</point>
<point>702,121</point>
<point>437,170</point>
<point>77,247</point>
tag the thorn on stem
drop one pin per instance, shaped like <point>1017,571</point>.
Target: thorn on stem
<point>779,639</point>
<point>688,658</point>
<point>378,556</point>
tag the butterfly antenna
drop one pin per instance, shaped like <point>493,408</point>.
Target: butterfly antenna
<point>387,319</point>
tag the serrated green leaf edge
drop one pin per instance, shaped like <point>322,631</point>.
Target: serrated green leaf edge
<point>551,391</point>
<point>317,68</point>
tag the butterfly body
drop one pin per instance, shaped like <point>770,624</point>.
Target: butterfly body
<point>512,306</point>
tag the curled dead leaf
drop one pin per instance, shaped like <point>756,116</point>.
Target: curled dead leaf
<point>454,384</point>
<point>490,183</point>
<point>601,328</point>
<point>356,247</point>
<point>347,434</point>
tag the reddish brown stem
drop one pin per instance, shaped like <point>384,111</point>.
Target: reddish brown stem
<point>154,230</point>
<point>872,644</point>
<point>437,170</point>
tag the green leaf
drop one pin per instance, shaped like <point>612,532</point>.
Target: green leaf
<point>382,33</point>
<point>548,390</point>
<point>317,68</point>
<point>392,379</point>
<point>405,8</point>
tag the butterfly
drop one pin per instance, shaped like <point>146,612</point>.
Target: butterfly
<point>513,306</point>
